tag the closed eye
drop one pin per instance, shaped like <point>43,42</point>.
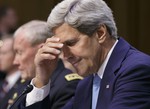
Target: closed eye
<point>71,42</point>
<point>18,52</point>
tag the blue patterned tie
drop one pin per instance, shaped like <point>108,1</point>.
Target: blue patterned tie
<point>96,88</point>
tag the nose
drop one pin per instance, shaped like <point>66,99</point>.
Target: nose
<point>66,52</point>
<point>16,61</point>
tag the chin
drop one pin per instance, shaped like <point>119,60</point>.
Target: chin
<point>82,73</point>
<point>23,76</point>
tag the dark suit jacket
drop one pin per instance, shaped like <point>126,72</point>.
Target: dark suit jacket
<point>61,89</point>
<point>16,89</point>
<point>125,83</point>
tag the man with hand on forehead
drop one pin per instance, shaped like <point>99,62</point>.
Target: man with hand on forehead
<point>117,76</point>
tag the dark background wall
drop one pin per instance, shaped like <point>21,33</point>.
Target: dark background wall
<point>132,17</point>
<point>133,21</point>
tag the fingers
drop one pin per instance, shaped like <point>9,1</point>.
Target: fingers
<point>50,50</point>
<point>44,57</point>
<point>47,57</point>
<point>46,61</point>
<point>52,39</point>
<point>54,45</point>
<point>45,53</point>
<point>53,42</point>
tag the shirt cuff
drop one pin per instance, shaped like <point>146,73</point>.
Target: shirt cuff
<point>37,94</point>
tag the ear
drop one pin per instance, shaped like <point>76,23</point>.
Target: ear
<point>101,33</point>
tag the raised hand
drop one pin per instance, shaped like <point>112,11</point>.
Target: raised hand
<point>46,61</point>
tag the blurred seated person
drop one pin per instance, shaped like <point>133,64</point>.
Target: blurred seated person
<point>7,56</point>
<point>8,20</point>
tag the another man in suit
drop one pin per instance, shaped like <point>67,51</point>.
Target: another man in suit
<point>117,75</point>
<point>28,39</point>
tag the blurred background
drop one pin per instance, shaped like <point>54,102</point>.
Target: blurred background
<point>132,17</point>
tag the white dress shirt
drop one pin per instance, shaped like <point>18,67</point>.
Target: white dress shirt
<point>38,94</point>
<point>12,79</point>
<point>103,66</point>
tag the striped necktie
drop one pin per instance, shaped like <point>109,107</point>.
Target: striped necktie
<point>3,90</point>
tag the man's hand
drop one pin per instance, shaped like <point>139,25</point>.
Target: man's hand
<point>46,61</point>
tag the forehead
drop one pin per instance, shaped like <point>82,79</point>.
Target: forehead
<point>66,32</point>
<point>21,42</point>
<point>7,44</point>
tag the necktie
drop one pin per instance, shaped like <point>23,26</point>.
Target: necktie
<point>3,90</point>
<point>96,87</point>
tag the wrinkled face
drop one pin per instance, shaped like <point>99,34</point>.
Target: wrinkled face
<point>24,58</point>
<point>82,51</point>
<point>7,55</point>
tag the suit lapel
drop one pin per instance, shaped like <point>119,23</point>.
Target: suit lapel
<point>108,79</point>
<point>83,95</point>
<point>88,95</point>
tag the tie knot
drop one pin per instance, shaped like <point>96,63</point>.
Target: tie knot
<point>96,80</point>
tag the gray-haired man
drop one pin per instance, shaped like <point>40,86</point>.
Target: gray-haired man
<point>118,75</point>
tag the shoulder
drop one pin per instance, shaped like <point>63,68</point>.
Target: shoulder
<point>66,78</point>
<point>136,60</point>
<point>63,86</point>
<point>62,76</point>
<point>134,70</point>
<point>132,81</point>
<point>73,76</point>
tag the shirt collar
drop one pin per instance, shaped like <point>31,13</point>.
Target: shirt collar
<point>12,79</point>
<point>103,66</point>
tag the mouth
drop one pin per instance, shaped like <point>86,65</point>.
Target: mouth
<point>76,62</point>
<point>20,69</point>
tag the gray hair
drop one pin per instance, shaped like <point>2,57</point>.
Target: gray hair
<point>84,15</point>
<point>35,31</point>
